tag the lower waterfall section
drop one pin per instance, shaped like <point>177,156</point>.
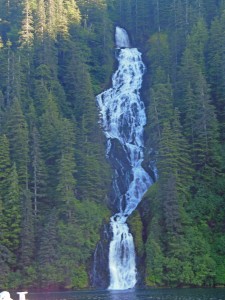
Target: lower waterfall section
<point>123,118</point>
<point>122,264</point>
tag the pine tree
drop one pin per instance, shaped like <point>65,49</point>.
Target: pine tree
<point>62,21</point>
<point>47,252</point>
<point>200,125</point>
<point>160,109</point>
<point>196,41</point>
<point>67,167</point>
<point>207,154</point>
<point>48,242</point>
<point>42,85</point>
<point>72,12</point>
<point>141,23</point>
<point>40,21</point>
<point>184,170</point>
<point>12,212</point>
<point>18,137</point>
<point>9,79</point>
<point>2,108</point>
<point>27,246</point>
<point>159,56</point>
<point>51,18</point>
<point>5,165</point>
<point>50,143</point>
<point>5,263</point>
<point>38,170</point>
<point>216,60</point>
<point>27,30</point>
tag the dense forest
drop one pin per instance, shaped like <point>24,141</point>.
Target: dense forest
<point>55,57</point>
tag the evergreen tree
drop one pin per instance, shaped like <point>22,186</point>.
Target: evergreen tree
<point>5,165</point>
<point>2,108</point>
<point>66,181</point>
<point>160,110</point>
<point>18,138</point>
<point>51,18</point>
<point>197,40</point>
<point>12,213</point>
<point>50,143</point>
<point>26,33</point>
<point>27,232</point>
<point>62,21</point>
<point>158,56</point>
<point>40,21</point>
<point>200,123</point>
<point>38,170</point>
<point>47,252</point>
<point>216,67</point>
<point>72,12</point>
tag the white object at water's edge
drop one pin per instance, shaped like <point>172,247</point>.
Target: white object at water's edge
<point>5,295</point>
<point>22,295</point>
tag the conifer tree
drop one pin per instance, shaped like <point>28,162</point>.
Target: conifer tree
<point>200,125</point>
<point>27,30</point>
<point>216,63</point>
<point>47,252</point>
<point>5,165</point>
<point>2,107</point>
<point>6,258</point>
<point>40,21</point>
<point>160,109</point>
<point>158,55</point>
<point>184,170</point>
<point>50,143</point>
<point>196,41</point>
<point>67,167</point>
<point>12,212</point>
<point>27,245</point>
<point>62,21</point>
<point>5,170</point>
<point>72,12</point>
<point>18,138</point>
<point>51,18</point>
<point>42,87</point>
<point>38,172</point>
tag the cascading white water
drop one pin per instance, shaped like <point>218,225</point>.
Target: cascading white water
<point>122,38</point>
<point>123,118</point>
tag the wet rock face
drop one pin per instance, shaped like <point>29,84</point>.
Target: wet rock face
<point>122,175</point>
<point>100,268</point>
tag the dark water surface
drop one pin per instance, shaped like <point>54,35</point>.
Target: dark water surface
<point>135,294</point>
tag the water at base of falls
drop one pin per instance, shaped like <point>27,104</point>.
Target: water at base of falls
<point>123,118</point>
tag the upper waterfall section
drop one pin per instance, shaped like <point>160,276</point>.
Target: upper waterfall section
<point>122,39</point>
<point>123,119</point>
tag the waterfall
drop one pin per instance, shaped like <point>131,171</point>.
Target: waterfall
<point>123,118</point>
<point>122,38</point>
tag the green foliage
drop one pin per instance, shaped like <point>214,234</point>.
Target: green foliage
<point>136,227</point>
<point>79,278</point>
<point>11,212</point>
<point>18,138</point>
<point>4,165</point>
<point>154,260</point>
<point>27,233</point>
<point>158,54</point>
